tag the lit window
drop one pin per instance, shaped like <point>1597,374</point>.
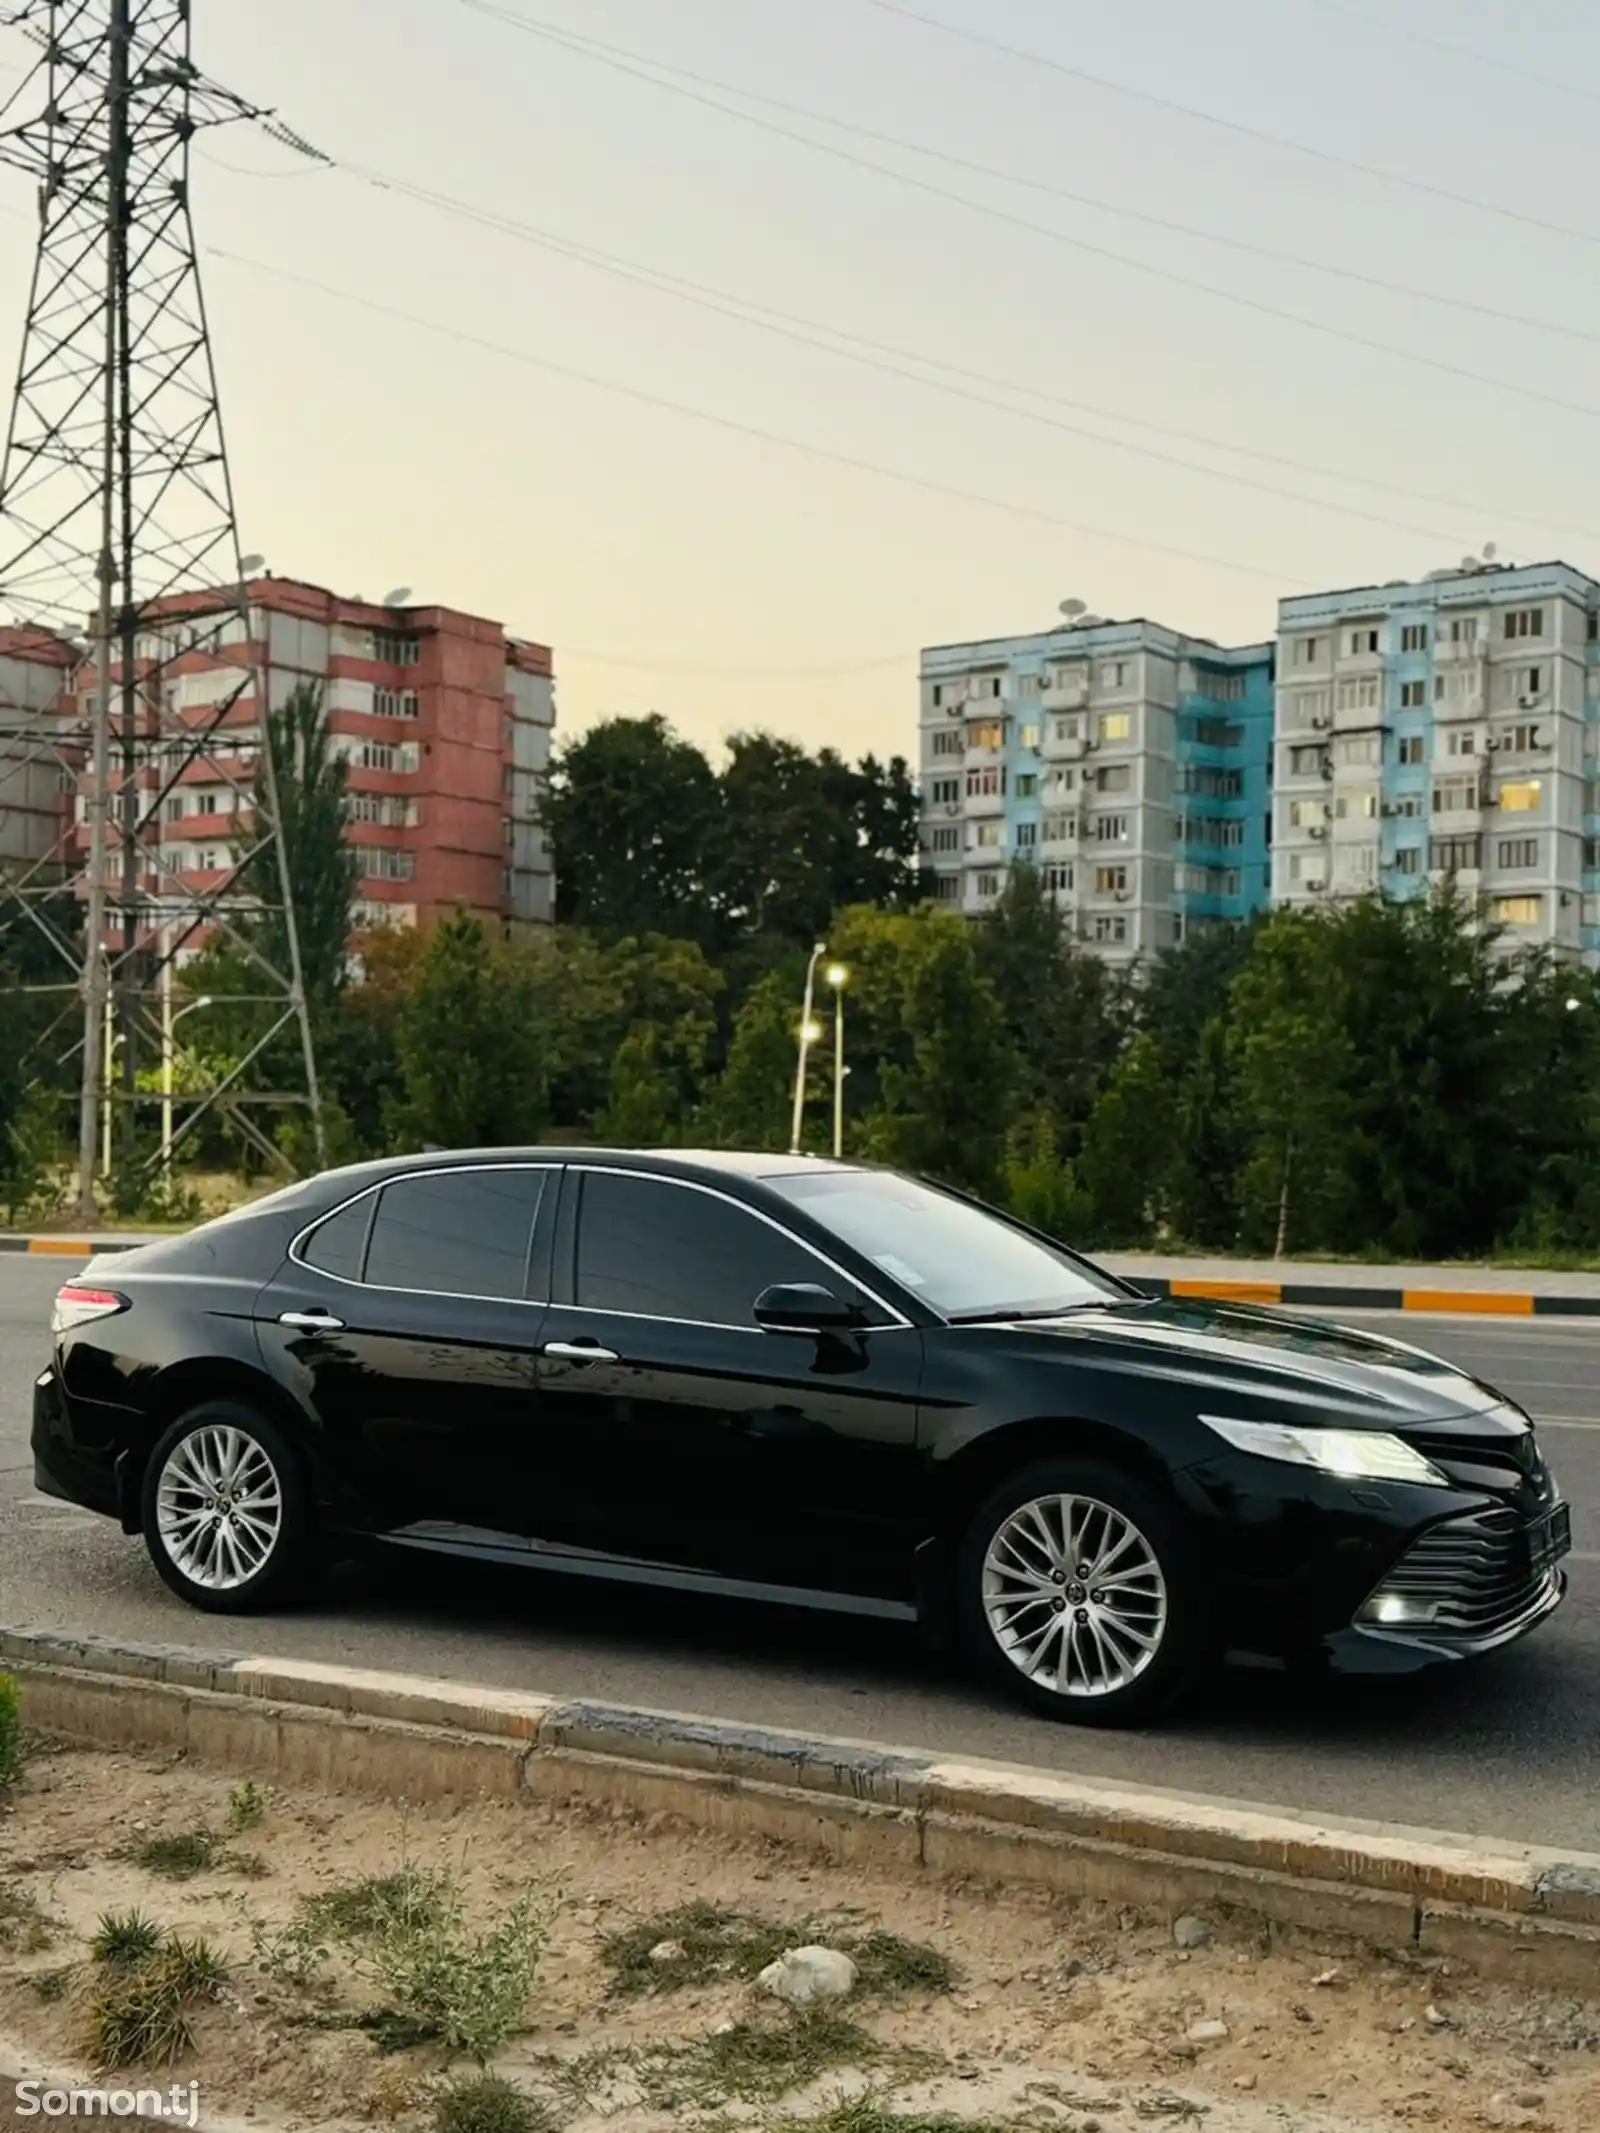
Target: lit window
<point>1110,881</point>
<point>1116,726</point>
<point>1028,737</point>
<point>1307,814</point>
<point>1518,910</point>
<point>1521,798</point>
<point>990,734</point>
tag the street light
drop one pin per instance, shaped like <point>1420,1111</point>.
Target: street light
<point>838,976</point>
<point>169,1022</point>
<point>809,1034</point>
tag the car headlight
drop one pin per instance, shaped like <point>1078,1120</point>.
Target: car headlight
<point>1352,1454</point>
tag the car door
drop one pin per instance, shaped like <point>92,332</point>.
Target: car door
<point>408,1324</point>
<point>785,1459</point>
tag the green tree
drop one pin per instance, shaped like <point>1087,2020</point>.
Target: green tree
<point>631,812</point>
<point>472,1070</point>
<point>1127,1151</point>
<point>749,1104</point>
<point>1066,1013</point>
<point>313,805</point>
<point>659,1070</point>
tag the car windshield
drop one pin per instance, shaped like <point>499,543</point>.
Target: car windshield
<point>964,1262</point>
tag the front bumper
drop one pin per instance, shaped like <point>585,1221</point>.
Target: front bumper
<point>1361,1649</point>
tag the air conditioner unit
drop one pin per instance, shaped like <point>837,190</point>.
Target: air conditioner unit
<point>1321,721</point>
<point>1318,830</point>
<point>1315,887</point>
<point>1530,702</point>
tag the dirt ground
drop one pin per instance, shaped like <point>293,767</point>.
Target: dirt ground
<point>1006,2007</point>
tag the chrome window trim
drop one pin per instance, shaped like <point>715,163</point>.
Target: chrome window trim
<point>897,1320</point>
<point>405,1177</point>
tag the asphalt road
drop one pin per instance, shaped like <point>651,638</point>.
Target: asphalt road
<point>1509,1746</point>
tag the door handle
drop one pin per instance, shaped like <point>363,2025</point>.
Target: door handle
<point>580,1352</point>
<point>311,1321</point>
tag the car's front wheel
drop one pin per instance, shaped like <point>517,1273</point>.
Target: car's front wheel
<point>226,1513</point>
<point>1076,1594</point>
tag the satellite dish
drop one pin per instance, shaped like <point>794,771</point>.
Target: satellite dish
<point>1490,551</point>
<point>249,564</point>
<point>397,598</point>
<point>1072,609</point>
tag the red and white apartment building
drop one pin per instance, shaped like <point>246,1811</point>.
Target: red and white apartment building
<point>445,721</point>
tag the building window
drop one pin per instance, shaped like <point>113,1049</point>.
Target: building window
<point>1027,836</point>
<point>1306,651</point>
<point>1064,780</point>
<point>1408,804</point>
<point>1363,640</point>
<point>394,703</point>
<point>1358,806</point>
<point>945,838</point>
<point>1114,674</point>
<point>1110,881</point>
<point>985,783</point>
<point>382,862</point>
<point>1028,685</point>
<point>1307,814</point>
<point>949,888</point>
<point>938,695</point>
<point>947,743</point>
<point>1408,859</point>
<point>1225,784</point>
<point>1060,828</point>
<point>1464,629</point>
<point>1306,762</point>
<point>986,836</point>
<point>1219,688</point>
<point>1069,729</point>
<point>1358,749</point>
<point>1058,878</point>
<point>1110,829</point>
<point>1455,855</point>
<point>991,733</point>
<point>1517,852</point>
<point>1525,622</point>
<point>1521,798</point>
<point>1114,777</point>
<point>1359,692</point>
<point>1027,785</point>
<point>1116,726</point>
<point>1412,695</point>
<point>1410,749</point>
<point>1455,796</point>
<point>1110,929</point>
<point>1413,637</point>
<point>1028,737</point>
<point>1463,742</point>
<point>946,791</point>
<point>988,885</point>
<point>1308,868</point>
<point>1521,740</point>
<point>396,648</point>
<point>1517,910</point>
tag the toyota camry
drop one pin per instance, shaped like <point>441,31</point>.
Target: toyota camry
<point>819,1384</point>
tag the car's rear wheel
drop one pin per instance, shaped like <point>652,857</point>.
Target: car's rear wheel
<point>226,1513</point>
<point>1076,1594</point>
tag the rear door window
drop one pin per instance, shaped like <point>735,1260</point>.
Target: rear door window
<point>456,1232</point>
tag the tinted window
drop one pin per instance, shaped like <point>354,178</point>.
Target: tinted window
<point>669,1251</point>
<point>460,1233</point>
<point>338,1245</point>
<point>966,1263</point>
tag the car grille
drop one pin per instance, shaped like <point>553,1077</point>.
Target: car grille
<point>1478,1573</point>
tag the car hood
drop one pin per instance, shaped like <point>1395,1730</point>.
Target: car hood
<point>1362,1379</point>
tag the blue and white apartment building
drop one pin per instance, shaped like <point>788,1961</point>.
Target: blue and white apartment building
<point>1130,763</point>
<point>1448,727</point>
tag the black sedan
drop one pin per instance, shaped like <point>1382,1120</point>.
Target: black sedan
<point>813,1383</point>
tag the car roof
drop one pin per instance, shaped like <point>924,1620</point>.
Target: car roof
<point>727,1162</point>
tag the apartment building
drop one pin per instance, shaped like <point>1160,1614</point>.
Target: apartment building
<point>1445,729</point>
<point>34,668</point>
<point>444,720</point>
<point>1128,762</point>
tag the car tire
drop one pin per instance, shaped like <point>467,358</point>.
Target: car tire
<point>226,1511</point>
<point>1131,1646</point>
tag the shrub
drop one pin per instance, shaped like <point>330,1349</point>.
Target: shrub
<point>10,1733</point>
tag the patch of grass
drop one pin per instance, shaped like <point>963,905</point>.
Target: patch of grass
<point>124,1937</point>
<point>716,1943</point>
<point>487,2104</point>
<point>378,1904</point>
<point>140,2013</point>
<point>52,1984</point>
<point>752,2062</point>
<point>179,1858</point>
<point>719,1943</point>
<point>247,1807</point>
<point>11,1751</point>
<point>868,2114</point>
<point>24,1929</point>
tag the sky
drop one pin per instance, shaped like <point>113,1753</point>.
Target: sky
<point>725,522</point>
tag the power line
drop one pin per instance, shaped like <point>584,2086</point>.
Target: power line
<point>587,48</point>
<point>1094,201</point>
<point>1234,126</point>
<point>1499,66</point>
<point>745,429</point>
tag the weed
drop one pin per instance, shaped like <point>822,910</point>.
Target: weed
<point>177,1858</point>
<point>715,1942</point>
<point>866,2114</point>
<point>410,1898</point>
<point>11,1754</point>
<point>890,1965</point>
<point>24,1928</point>
<point>487,2104</point>
<point>140,2012</point>
<point>753,2062</point>
<point>52,1984</point>
<point>247,1806</point>
<point>124,1937</point>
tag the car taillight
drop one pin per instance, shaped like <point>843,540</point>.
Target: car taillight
<point>76,1306</point>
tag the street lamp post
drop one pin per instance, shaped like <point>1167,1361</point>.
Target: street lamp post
<point>808,1037</point>
<point>838,976</point>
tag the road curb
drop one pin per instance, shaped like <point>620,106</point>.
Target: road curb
<point>1342,1296</point>
<point>71,1247</point>
<point>1523,1911</point>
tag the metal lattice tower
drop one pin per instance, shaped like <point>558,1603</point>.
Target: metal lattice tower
<point>121,577</point>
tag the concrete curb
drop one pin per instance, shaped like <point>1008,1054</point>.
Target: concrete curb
<point>1510,1909</point>
<point>70,1247</point>
<point>1342,1296</point>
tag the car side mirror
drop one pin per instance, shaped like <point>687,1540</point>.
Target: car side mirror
<point>804,1307</point>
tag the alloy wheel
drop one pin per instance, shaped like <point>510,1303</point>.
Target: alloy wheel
<point>219,1507</point>
<point>1074,1596</point>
